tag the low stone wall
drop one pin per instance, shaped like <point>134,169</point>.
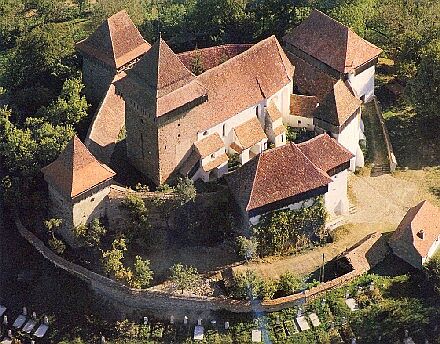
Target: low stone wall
<point>391,157</point>
<point>164,303</point>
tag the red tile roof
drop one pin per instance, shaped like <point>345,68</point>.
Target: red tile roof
<point>212,57</point>
<point>275,175</point>
<point>209,145</point>
<point>331,42</point>
<point>338,106</point>
<point>273,112</point>
<point>243,81</point>
<point>310,80</point>
<point>160,80</point>
<point>249,133</point>
<point>115,42</point>
<point>325,152</point>
<point>303,106</point>
<point>423,217</point>
<point>76,170</point>
<point>220,160</point>
<point>106,125</point>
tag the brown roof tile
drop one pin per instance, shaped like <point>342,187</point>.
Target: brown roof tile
<point>338,106</point>
<point>281,129</point>
<point>325,152</point>
<point>213,56</point>
<point>76,170</point>
<point>220,160</point>
<point>106,125</point>
<point>310,80</point>
<point>160,82</point>
<point>249,133</point>
<point>115,42</point>
<point>303,106</point>
<point>273,112</point>
<point>423,217</point>
<point>275,175</point>
<point>331,43</point>
<point>209,145</point>
<point>243,81</point>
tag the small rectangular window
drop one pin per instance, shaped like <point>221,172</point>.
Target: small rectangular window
<point>224,130</point>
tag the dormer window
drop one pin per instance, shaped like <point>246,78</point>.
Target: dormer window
<point>205,133</point>
<point>421,234</point>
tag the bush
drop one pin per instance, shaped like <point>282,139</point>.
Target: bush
<point>142,274</point>
<point>250,286</point>
<point>91,234</point>
<point>339,232</point>
<point>185,190</point>
<point>184,277</point>
<point>247,248</point>
<point>289,283</point>
<point>432,269</point>
<point>288,231</point>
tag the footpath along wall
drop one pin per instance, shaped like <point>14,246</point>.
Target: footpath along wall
<point>162,303</point>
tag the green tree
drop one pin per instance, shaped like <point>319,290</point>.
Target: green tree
<point>41,60</point>
<point>142,274</point>
<point>185,190</point>
<point>422,90</point>
<point>247,248</point>
<point>289,283</point>
<point>52,225</point>
<point>91,234</point>
<point>184,277</point>
<point>197,64</point>
<point>249,286</point>
<point>70,107</point>
<point>432,269</point>
<point>112,261</point>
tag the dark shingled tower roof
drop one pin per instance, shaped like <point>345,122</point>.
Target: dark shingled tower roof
<point>76,170</point>
<point>115,42</point>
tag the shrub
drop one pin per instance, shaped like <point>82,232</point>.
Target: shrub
<point>247,248</point>
<point>57,245</point>
<point>287,231</point>
<point>142,274</point>
<point>339,232</point>
<point>289,283</point>
<point>249,286</point>
<point>185,190</point>
<point>184,277</point>
<point>91,234</point>
<point>432,269</point>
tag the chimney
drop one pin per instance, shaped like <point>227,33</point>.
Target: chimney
<point>421,234</point>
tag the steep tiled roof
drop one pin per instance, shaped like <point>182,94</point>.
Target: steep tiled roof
<point>332,43</point>
<point>220,160</point>
<point>423,217</point>
<point>76,170</point>
<point>160,82</point>
<point>243,81</point>
<point>325,152</point>
<point>106,125</point>
<point>249,133</point>
<point>213,56</point>
<point>309,79</point>
<point>273,112</point>
<point>275,175</point>
<point>115,42</point>
<point>338,106</point>
<point>303,106</point>
<point>279,130</point>
<point>209,145</point>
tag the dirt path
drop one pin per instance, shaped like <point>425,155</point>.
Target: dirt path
<point>381,203</point>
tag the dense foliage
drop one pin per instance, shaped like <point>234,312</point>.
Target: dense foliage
<point>184,277</point>
<point>287,231</point>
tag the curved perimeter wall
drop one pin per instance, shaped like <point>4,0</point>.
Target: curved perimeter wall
<point>163,303</point>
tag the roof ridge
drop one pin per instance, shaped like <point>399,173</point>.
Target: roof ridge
<point>244,53</point>
<point>325,174</point>
<point>111,36</point>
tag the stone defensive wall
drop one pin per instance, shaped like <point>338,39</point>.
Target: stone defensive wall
<point>390,152</point>
<point>164,303</point>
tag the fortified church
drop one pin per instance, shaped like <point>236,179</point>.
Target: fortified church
<point>177,123</point>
